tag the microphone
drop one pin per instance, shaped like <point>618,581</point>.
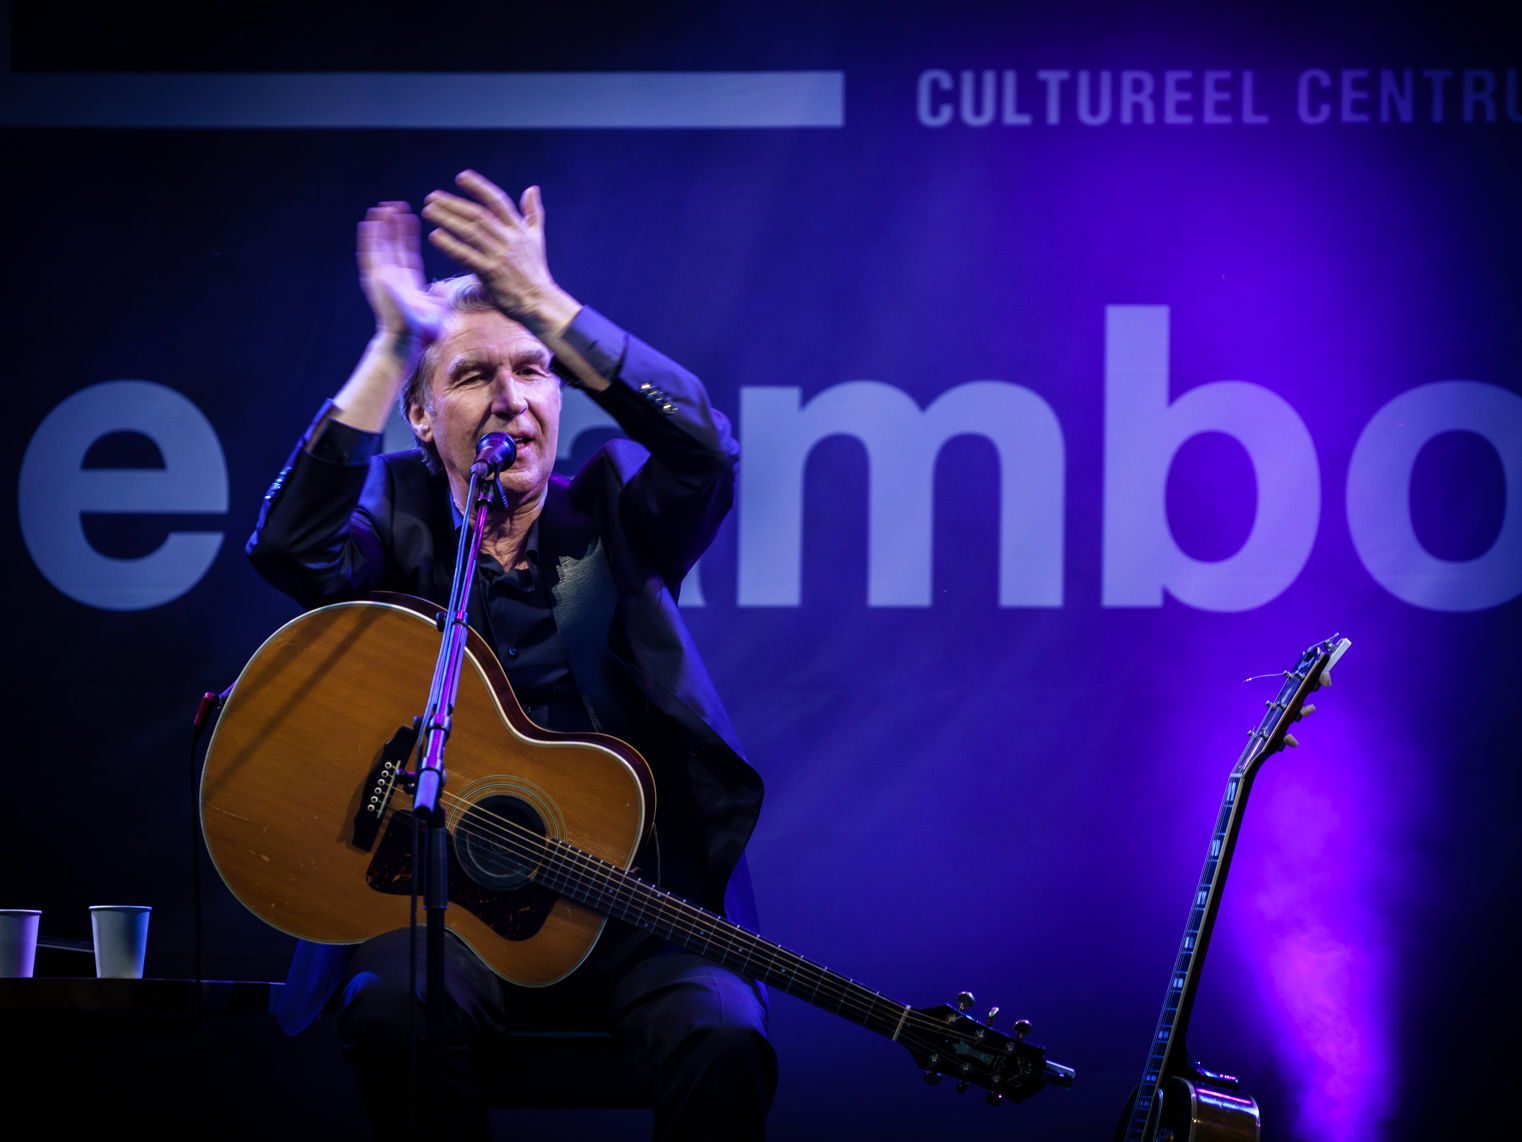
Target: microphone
<point>494,451</point>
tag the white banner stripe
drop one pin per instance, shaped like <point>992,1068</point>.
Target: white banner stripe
<point>438,100</point>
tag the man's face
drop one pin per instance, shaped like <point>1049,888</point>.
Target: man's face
<point>492,375</point>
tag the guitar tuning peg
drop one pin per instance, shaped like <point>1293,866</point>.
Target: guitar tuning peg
<point>964,1000</point>
<point>1289,740</point>
<point>993,1013</point>
<point>1307,711</point>
<point>933,1077</point>
<point>1022,1028</point>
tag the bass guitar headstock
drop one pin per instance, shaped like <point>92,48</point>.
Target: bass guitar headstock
<point>949,1043</point>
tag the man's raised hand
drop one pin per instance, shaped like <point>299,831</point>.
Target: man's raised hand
<point>502,243</point>
<point>391,275</point>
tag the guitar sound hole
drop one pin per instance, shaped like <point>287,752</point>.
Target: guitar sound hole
<point>498,841</point>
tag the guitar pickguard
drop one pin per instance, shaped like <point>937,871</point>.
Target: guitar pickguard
<point>515,914</point>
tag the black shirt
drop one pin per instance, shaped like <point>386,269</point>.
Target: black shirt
<point>521,620</point>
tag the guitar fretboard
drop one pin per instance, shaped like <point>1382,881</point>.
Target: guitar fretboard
<point>1185,976</point>
<point>614,892</point>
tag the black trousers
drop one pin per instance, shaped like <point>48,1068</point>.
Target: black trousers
<point>696,1032</point>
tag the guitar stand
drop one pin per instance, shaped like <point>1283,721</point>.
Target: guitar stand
<point>494,452</point>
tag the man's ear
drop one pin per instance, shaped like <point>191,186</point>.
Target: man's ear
<point>422,423</point>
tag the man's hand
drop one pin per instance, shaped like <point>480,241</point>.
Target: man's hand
<point>391,275</point>
<point>407,318</point>
<point>502,243</point>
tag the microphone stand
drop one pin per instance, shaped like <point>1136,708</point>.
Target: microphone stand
<point>494,452</point>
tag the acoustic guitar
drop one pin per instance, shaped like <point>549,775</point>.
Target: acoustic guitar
<point>304,807</point>
<point>1178,1100</point>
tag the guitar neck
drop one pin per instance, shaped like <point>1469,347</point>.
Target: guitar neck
<point>1168,1055</point>
<point>614,892</point>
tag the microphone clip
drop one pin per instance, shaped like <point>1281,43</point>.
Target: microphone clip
<point>494,452</point>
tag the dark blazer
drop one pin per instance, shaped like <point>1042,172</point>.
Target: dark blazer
<point>615,543</point>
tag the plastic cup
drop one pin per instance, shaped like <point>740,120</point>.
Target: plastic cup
<point>18,941</point>
<point>121,938</point>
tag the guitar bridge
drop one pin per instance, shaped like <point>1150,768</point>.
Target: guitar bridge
<point>375,796</point>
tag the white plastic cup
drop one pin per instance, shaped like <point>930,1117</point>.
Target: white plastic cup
<point>121,938</point>
<point>18,942</point>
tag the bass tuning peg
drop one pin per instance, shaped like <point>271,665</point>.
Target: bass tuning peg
<point>1022,1028</point>
<point>964,1000</point>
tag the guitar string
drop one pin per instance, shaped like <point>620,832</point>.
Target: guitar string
<point>619,889</point>
<point>574,867</point>
<point>624,890</point>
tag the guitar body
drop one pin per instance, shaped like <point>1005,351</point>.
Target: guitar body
<point>1198,1113</point>
<point>301,748</point>
<point>1189,1111</point>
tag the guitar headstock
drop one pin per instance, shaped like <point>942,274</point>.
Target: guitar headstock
<point>1311,672</point>
<point>947,1042</point>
